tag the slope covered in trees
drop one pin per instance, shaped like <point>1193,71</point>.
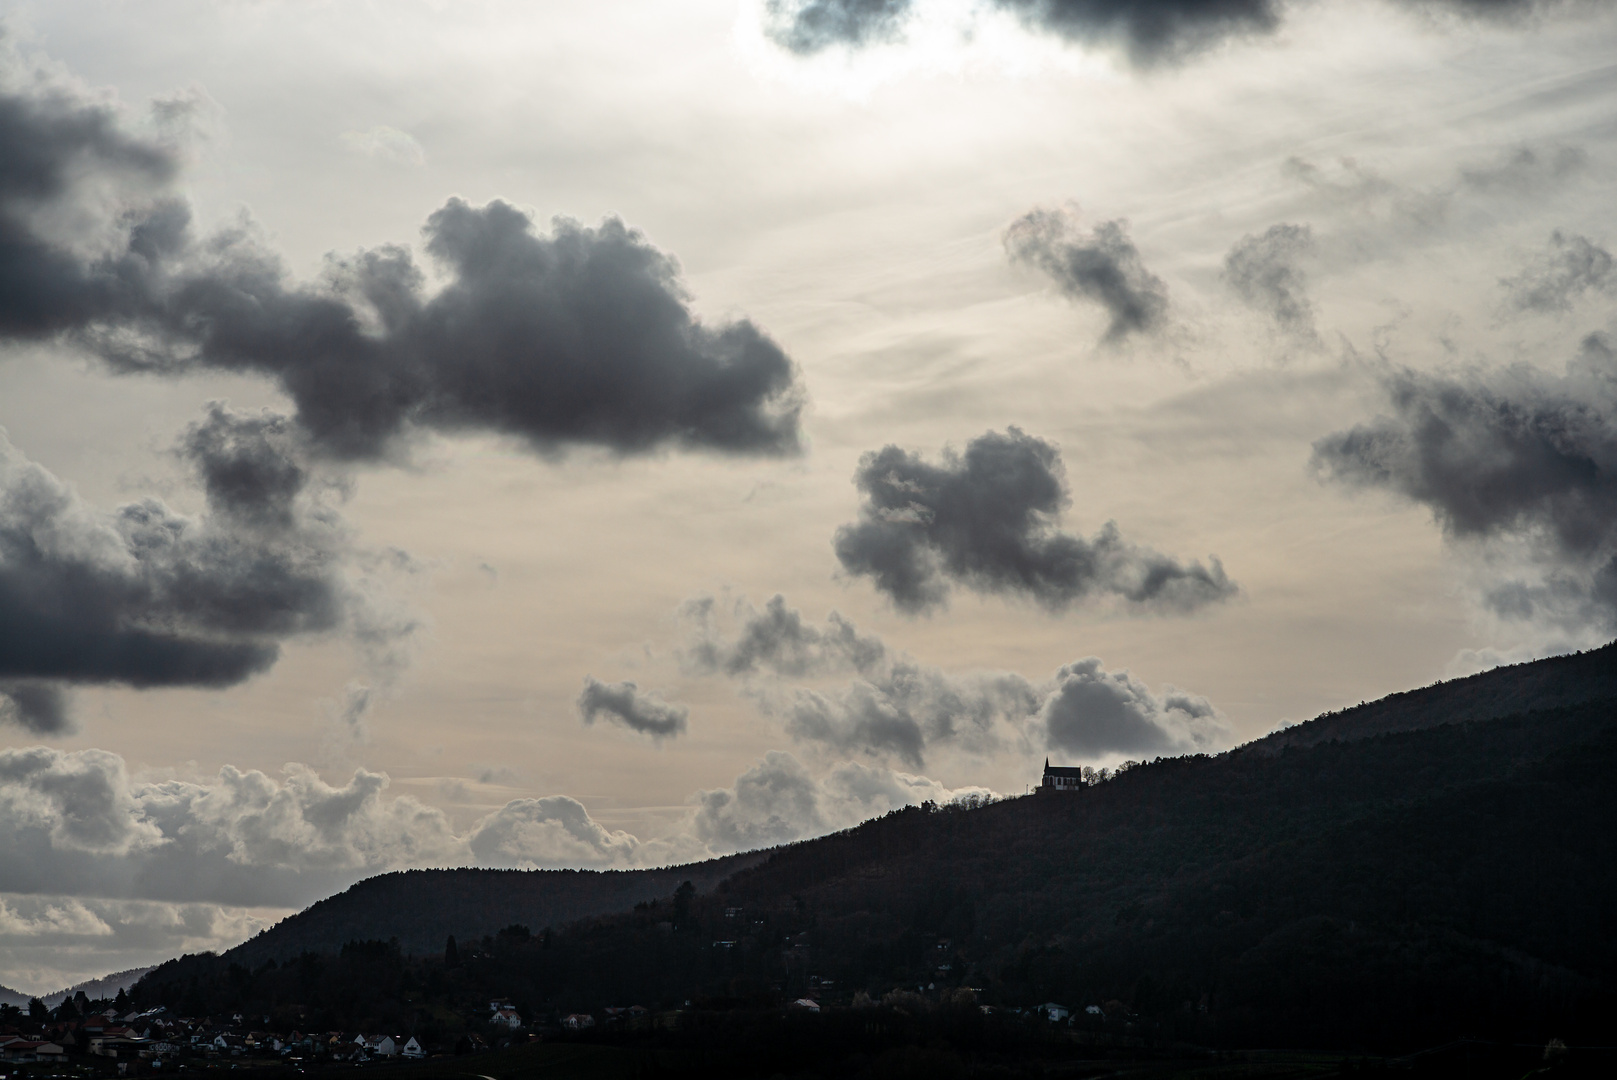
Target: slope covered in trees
<point>420,908</point>
<point>1504,691</point>
<point>1386,891</point>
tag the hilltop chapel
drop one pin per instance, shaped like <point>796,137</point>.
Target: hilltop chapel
<point>1057,778</point>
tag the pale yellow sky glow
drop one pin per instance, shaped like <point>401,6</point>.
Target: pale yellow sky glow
<point>853,205</point>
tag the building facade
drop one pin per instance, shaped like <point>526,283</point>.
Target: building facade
<point>1057,778</point>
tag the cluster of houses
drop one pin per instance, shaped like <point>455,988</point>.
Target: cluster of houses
<point>102,1034</point>
<point>155,1036</point>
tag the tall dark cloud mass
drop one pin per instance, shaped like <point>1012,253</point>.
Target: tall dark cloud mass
<point>623,703</point>
<point>145,596</point>
<point>1266,272</point>
<point>899,709</point>
<point>1100,264</point>
<point>1569,268</point>
<point>580,336</point>
<point>53,147</point>
<point>986,520</point>
<point>1518,455</point>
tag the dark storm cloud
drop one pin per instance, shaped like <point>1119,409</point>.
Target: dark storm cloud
<point>247,464</point>
<point>623,703</point>
<point>1266,272</point>
<point>1093,713</point>
<point>53,148</point>
<point>1568,269</point>
<point>146,596</point>
<point>1101,264</point>
<point>899,709</point>
<point>986,520</point>
<point>1518,455</point>
<point>579,336</point>
<point>39,707</point>
<point>1148,32</point>
<point>806,27</point>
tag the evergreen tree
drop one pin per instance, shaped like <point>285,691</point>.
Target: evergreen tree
<point>682,902</point>
<point>451,953</point>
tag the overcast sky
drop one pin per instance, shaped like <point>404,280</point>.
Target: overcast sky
<point>537,434</point>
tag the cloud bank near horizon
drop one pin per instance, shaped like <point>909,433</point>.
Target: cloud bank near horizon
<point>895,708</point>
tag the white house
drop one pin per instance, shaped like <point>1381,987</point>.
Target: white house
<point>412,1049</point>
<point>577,1021</point>
<point>1054,1013</point>
<point>508,1017</point>
<point>382,1046</point>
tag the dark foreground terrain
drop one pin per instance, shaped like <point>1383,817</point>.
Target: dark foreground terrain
<point>1414,900</point>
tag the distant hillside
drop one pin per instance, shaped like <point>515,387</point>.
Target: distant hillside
<point>1385,890</point>
<point>95,989</point>
<point>421,908</point>
<point>1540,684</point>
<point>1357,889</point>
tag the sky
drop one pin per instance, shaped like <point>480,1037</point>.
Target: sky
<point>531,434</point>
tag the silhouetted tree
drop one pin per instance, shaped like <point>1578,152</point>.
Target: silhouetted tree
<point>682,902</point>
<point>451,953</point>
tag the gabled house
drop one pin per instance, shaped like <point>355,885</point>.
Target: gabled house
<point>22,1050</point>
<point>412,1049</point>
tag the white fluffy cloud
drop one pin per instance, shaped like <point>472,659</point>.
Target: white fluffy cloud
<point>779,800</point>
<point>553,831</point>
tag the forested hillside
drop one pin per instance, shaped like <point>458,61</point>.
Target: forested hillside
<point>420,908</point>
<point>1387,891</point>
<point>1505,691</point>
